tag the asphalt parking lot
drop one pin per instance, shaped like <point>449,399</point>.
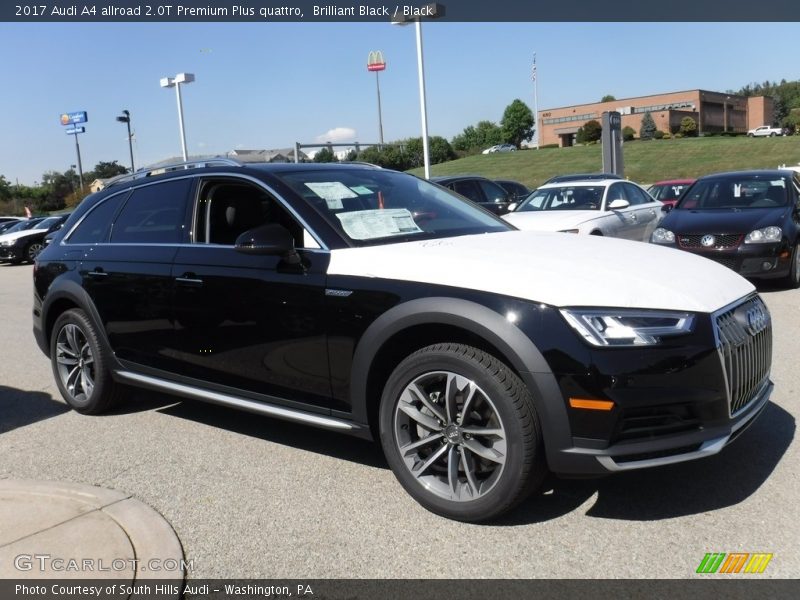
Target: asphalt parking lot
<point>254,497</point>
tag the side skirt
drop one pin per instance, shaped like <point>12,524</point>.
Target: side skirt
<point>269,410</point>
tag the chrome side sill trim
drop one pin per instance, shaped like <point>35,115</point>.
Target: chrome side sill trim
<point>261,408</point>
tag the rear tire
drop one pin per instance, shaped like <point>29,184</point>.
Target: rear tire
<point>80,366</point>
<point>469,465</point>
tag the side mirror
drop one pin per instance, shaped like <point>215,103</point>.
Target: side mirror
<point>268,240</point>
<point>666,208</point>
<point>618,204</point>
<point>513,206</point>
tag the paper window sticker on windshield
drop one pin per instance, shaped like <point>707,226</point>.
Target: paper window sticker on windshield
<point>332,192</point>
<point>362,190</point>
<point>371,224</point>
<point>737,190</point>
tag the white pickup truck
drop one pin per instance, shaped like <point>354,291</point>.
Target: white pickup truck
<point>764,131</point>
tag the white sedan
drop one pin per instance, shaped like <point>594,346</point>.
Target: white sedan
<point>610,207</point>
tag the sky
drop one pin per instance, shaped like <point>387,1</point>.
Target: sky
<point>267,85</point>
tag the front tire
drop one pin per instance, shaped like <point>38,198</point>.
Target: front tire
<point>80,366</point>
<point>32,250</point>
<point>460,432</point>
<point>792,280</point>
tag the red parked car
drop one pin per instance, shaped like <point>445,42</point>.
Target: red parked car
<point>669,191</point>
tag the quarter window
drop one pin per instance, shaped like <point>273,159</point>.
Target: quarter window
<point>153,214</point>
<point>94,227</point>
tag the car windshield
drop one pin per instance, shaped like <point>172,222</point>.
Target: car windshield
<point>565,197</point>
<point>376,206</point>
<point>667,191</point>
<point>23,225</point>
<point>47,223</point>
<point>742,192</point>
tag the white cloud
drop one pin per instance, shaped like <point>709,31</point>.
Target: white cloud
<point>337,134</point>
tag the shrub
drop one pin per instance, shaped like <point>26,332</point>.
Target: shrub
<point>648,128</point>
<point>678,135</point>
<point>667,135</point>
<point>628,133</point>
<point>547,146</point>
<point>658,134</point>
<point>688,127</point>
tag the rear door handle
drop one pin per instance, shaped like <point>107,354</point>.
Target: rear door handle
<point>98,273</point>
<point>189,280</point>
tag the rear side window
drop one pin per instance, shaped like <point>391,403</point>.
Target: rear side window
<point>154,214</point>
<point>94,227</point>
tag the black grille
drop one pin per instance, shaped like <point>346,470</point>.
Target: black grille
<point>725,261</point>
<point>721,240</point>
<point>745,346</point>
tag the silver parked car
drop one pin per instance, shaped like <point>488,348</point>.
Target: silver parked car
<point>609,207</point>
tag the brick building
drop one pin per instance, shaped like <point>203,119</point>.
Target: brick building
<point>712,111</point>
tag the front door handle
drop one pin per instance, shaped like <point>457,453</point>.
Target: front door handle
<point>97,273</point>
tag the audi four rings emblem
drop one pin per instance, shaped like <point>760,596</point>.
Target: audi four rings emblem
<point>707,240</point>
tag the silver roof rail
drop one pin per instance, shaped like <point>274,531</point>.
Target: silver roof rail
<point>215,161</point>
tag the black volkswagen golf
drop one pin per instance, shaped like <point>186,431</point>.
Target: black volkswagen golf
<point>747,221</point>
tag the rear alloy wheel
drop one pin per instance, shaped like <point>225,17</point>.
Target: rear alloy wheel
<point>79,365</point>
<point>793,278</point>
<point>460,432</point>
<point>32,251</point>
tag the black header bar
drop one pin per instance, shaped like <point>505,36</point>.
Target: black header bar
<point>187,11</point>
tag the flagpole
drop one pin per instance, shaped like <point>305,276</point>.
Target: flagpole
<point>536,101</point>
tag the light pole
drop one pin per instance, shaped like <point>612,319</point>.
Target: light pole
<point>125,117</point>
<point>376,63</point>
<point>432,11</point>
<point>725,115</point>
<point>168,82</point>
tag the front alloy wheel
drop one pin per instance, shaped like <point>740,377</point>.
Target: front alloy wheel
<point>75,362</point>
<point>33,250</point>
<point>450,436</point>
<point>460,433</point>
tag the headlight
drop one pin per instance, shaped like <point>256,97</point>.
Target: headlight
<point>766,235</point>
<point>569,230</point>
<point>662,236</point>
<point>7,243</point>
<point>609,327</point>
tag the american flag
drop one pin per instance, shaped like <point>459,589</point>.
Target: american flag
<point>533,69</point>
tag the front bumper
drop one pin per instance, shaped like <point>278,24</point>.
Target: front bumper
<point>754,261</point>
<point>677,448</point>
<point>680,401</point>
<point>10,253</point>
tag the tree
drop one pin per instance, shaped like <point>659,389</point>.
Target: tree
<point>648,128</point>
<point>517,123</point>
<point>104,170</point>
<point>688,127</point>
<point>628,133</point>
<point>591,131</point>
<point>482,135</point>
<point>5,188</point>
<point>780,110</point>
<point>607,98</point>
<point>325,155</point>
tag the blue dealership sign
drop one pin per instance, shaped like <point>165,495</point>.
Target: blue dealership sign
<point>73,118</point>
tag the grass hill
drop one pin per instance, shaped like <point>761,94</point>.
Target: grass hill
<point>645,162</point>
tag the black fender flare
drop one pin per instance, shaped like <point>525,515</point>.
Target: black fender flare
<point>516,347</point>
<point>67,289</point>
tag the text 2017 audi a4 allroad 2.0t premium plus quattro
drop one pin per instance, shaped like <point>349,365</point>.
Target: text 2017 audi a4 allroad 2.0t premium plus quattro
<point>374,303</point>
